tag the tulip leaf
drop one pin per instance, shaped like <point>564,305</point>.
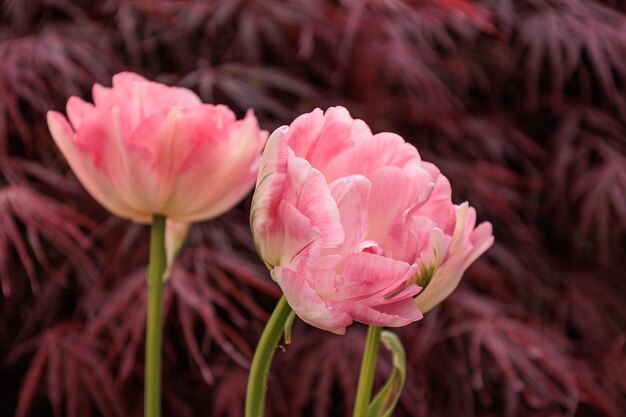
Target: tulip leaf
<point>287,328</point>
<point>385,401</point>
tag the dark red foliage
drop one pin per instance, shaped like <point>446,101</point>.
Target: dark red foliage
<point>522,103</point>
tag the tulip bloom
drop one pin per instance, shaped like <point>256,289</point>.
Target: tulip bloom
<point>155,154</point>
<point>355,226</point>
<point>144,148</point>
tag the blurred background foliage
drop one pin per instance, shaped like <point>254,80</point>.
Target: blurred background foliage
<point>521,103</point>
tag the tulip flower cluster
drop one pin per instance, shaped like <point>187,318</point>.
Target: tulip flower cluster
<point>352,225</point>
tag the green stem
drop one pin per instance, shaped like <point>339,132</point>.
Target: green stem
<point>257,382</point>
<point>158,261</point>
<point>368,371</point>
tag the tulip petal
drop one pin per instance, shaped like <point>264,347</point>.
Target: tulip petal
<point>77,109</point>
<point>325,282</point>
<point>100,94</point>
<point>307,304</point>
<point>155,97</point>
<point>366,275</point>
<point>138,99</point>
<point>367,156</point>
<point>153,159</point>
<point>391,315</point>
<point>466,246</point>
<point>439,207</point>
<point>222,162</point>
<point>304,132</point>
<point>91,177</point>
<point>318,137</point>
<point>298,235</point>
<point>129,168</point>
<point>269,186</point>
<point>307,189</point>
<point>388,200</point>
<point>351,196</point>
<point>407,238</point>
<point>404,308</point>
<point>125,79</point>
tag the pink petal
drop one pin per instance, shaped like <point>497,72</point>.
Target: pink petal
<point>125,79</point>
<point>403,292</point>
<point>404,308</point>
<point>91,177</point>
<point>238,166</point>
<point>439,205</point>
<point>388,200</point>
<point>155,97</point>
<point>270,186</point>
<point>298,236</point>
<point>307,304</point>
<point>129,169</point>
<point>318,137</point>
<point>154,156</point>
<point>407,237</point>
<point>304,132</point>
<point>100,94</point>
<point>434,252</point>
<point>100,136</point>
<point>383,149</point>
<point>139,99</point>
<point>77,109</point>
<point>466,246</point>
<point>351,196</point>
<point>366,275</point>
<point>205,163</point>
<point>325,282</point>
<point>391,315</point>
<point>307,189</point>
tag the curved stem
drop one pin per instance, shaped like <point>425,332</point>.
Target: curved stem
<point>158,260</point>
<point>257,382</point>
<point>368,371</point>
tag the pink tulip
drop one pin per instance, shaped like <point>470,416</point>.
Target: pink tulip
<point>353,225</point>
<point>144,148</point>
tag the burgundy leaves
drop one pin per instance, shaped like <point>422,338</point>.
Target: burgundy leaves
<point>539,117</point>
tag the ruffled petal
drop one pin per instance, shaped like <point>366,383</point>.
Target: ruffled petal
<point>267,196</point>
<point>403,308</point>
<point>466,246</point>
<point>391,315</point>
<point>366,275</point>
<point>407,238</point>
<point>307,304</point>
<point>388,200</point>
<point>319,136</point>
<point>439,207</point>
<point>307,189</point>
<point>298,234</point>
<point>381,150</point>
<point>351,195</point>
